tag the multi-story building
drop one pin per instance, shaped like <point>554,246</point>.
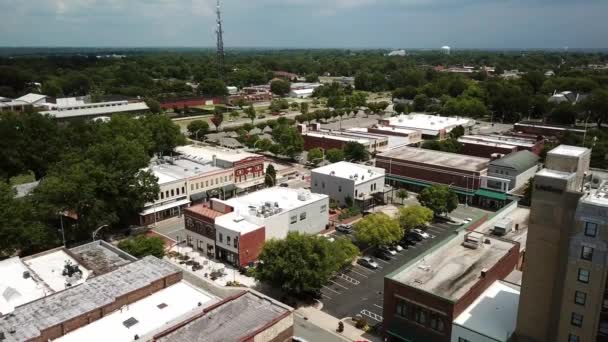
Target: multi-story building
<point>236,229</point>
<point>431,126</point>
<point>486,145</point>
<point>248,167</point>
<point>545,129</point>
<point>564,289</point>
<point>517,168</point>
<point>181,182</point>
<point>348,180</point>
<point>424,297</point>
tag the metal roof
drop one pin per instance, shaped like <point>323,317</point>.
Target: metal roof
<point>520,161</point>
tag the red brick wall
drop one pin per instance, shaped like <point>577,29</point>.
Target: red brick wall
<point>248,166</point>
<point>181,103</point>
<point>221,207</point>
<point>324,143</point>
<point>250,245</point>
<point>438,176</point>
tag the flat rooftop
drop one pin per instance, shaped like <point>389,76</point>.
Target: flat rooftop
<point>347,170</point>
<point>15,289</point>
<point>452,270</point>
<point>555,174</point>
<point>519,216</point>
<point>177,169</point>
<point>494,313</point>
<point>152,313</point>
<point>428,122</point>
<point>499,139</point>
<point>29,319</point>
<point>237,318</point>
<point>94,111</point>
<point>340,136</point>
<point>198,152</point>
<point>597,196</point>
<point>49,266</point>
<point>101,257</point>
<point>445,159</point>
<point>568,151</point>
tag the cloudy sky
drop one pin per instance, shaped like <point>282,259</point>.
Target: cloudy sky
<point>307,23</point>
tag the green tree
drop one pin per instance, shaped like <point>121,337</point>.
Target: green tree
<point>217,119</point>
<point>280,87</point>
<point>400,108</point>
<point>402,194</point>
<point>315,155</point>
<point>142,246</point>
<point>301,264</point>
<point>563,114</point>
<point>355,151</point>
<point>198,128</point>
<point>212,87</point>
<point>414,216</point>
<point>597,105</point>
<point>270,178</point>
<point>154,106</point>
<point>457,132</point>
<point>378,229</point>
<point>439,198</point>
<point>334,155</point>
<point>527,197</point>
<point>52,88</point>
<point>251,114</point>
<point>289,139</point>
<point>408,92</point>
<point>312,78</point>
<point>304,108</point>
<point>420,102</point>
<point>164,133</point>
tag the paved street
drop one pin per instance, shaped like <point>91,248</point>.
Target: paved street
<point>313,333</point>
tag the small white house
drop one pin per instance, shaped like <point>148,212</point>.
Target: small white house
<point>301,93</point>
<point>345,179</point>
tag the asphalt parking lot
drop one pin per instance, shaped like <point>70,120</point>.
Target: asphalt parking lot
<point>359,290</point>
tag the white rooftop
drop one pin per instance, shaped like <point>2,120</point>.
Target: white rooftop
<point>31,98</point>
<point>597,196</point>
<point>555,174</point>
<point>70,101</point>
<point>15,289</point>
<point>173,170</point>
<point>198,152</point>
<point>494,313</point>
<point>95,111</point>
<point>236,223</point>
<point>338,136</point>
<point>347,170</point>
<point>569,151</point>
<point>428,123</point>
<point>182,301</point>
<point>49,267</point>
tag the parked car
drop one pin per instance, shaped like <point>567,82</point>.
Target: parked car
<point>383,254</point>
<point>414,236</point>
<point>345,228</point>
<point>284,185</point>
<point>409,241</point>
<point>397,247</point>
<point>368,262</point>
<point>468,219</point>
<point>404,244</point>
<point>389,249</point>
<point>422,233</point>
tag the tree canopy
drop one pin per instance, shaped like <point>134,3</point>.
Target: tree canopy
<point>301,264</point>
<point>142,246</point>
<point>280,87</point>
<point>378,229</point>
<point>439,198</point>
<point>414,216</point>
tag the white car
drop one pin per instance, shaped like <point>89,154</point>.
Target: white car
<point>424,234</point>
<point>388,249</point>
<point>398,248</point>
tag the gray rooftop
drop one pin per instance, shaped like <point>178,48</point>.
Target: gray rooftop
<point>232,320</point>
<point>25,189</point>
<point>28,320</point>
<point>445,159</point>
<point>453,269</point>
<point>101,257</point>
<point>520,161</point>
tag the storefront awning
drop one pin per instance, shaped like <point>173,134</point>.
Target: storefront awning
<point>157,208</point>
<point>408,181</point>
<point>500,196</point>
<point>198,196</point>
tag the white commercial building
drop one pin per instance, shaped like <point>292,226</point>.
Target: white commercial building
<point>433,126</point>
<point>280,210</point>
<point>492,316</point>
<point>81,107</point>
<point>344,179</point>
<point>301,93</point>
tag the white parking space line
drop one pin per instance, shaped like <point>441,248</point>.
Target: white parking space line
<point>436,230</point>
<point>339,284</point>
<point>384,261</point>
<point>330,289</point>
<point>371,315</point>
<point>361,268</point>
<point>326,296</point>
<point>361,274</point>
<point>378,306</point>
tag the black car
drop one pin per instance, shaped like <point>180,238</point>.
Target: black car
<point>414,236</point>
<point>408,241</point>
<point>383,254</point>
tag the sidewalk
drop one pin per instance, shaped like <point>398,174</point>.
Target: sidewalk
<point>330,323</point>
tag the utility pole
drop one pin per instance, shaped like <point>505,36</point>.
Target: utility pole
<point>220,42</point>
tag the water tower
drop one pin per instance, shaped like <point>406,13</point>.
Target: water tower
<point>445,50</point>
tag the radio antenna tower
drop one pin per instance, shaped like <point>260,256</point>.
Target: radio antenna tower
<point>220,42</point>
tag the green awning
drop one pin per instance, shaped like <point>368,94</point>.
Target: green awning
<point>408,181</point>
<point>501,196</point>
<point>464,192</point>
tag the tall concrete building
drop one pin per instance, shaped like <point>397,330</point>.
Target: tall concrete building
<point>564,296</point>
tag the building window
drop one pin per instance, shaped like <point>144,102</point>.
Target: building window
<point>172,192</point>
<point>206,184</point>
<point>294,219</point>
<point>303,216</point>
<point>401,308</point>
<point>576,319</point>
<point>420,315</point>
<point>339,188</point>
<point>177,191</point>
<point>323,185</point>
<point>356,193</point>
<point>183,190</point>
<point>587,253</point>
<point>590,229</point>
<point>580,297</point>
<point>316,184</point>
<point>236,242</point>
<point>228,240</point>
<point>225,179</point>
<point>221,238</point>
<point>437,323</point>
<point>192,187</point>
<point>583,275</point>
<point>323,208</point>
<point>167,193</point>
<point>162,195</point>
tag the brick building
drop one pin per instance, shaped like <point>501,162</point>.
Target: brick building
<point>190,102</point>
<point>539,128</point>
<point>328,139</point>
<point>484,146</point>
<point>424,297</point>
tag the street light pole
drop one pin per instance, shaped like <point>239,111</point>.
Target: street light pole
<point>62,230</point>
<point>97,230</point>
